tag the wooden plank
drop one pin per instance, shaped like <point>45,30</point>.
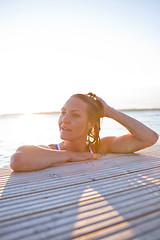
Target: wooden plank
<point>114,228</point>
<point>153,151</point>
<point>53,184</point>
<point>56,195</point>
<point>131,196</point>
<point>114,198</point>
<point>17,179</point>
<point>63,221</point>
<point>120,206</point>
<point>87,166</point>
<point>124,230</point>
<point>129,183</point>
<point>60,182</point>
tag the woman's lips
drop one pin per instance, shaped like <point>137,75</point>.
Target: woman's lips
<point>66,129</point>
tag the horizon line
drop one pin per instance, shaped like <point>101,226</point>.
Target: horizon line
<point>57,112</point>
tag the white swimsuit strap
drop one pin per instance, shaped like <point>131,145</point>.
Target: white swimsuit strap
<point>58,148</point>
<point>90,149</point>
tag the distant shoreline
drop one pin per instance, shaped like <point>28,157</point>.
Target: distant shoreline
<point>138,109</point>
<point>58,112</point>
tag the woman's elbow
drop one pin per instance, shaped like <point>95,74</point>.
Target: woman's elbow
<point>18,159</point>
<point>153,139</point>
<point>16,162</point>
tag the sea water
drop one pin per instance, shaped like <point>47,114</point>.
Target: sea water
<point>42,129</point>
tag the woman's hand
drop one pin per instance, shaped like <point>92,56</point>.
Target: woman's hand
<point>82,156</point>
<point>107,110</point>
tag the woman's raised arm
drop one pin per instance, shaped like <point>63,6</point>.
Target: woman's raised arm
<point>139,137</point>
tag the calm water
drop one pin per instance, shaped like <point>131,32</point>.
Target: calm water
<point>43,129</point>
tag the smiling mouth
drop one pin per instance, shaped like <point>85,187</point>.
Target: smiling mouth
<point>66,129</point>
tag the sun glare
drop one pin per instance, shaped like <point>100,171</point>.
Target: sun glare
<point>46,59</point>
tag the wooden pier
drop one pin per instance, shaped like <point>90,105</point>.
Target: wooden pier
<point>115,197</point>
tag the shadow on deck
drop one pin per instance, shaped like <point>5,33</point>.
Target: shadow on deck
<point>116,197</point>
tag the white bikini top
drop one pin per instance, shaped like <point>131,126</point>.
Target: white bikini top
<point>58,148</point>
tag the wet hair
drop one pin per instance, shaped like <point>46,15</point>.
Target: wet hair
<point>94,110</point>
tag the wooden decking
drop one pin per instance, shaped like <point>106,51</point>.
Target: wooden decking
<point>116,197</point>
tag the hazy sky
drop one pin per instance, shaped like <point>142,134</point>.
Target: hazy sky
<point>51,49</point>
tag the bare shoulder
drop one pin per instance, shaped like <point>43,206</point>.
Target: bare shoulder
<point>105,144</point>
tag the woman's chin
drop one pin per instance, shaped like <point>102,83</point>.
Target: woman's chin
<point>65,137</point>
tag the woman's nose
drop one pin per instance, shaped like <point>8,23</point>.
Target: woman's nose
<point>66,118</point>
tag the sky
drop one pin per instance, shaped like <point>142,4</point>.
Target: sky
<point>51,49</point>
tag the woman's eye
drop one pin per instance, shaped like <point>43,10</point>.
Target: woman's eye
<point>75,115</point>
<point>63,113</point>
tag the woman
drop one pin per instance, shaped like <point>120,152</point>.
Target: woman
<point>79,125</point>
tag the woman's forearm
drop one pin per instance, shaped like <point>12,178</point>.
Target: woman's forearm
<point>136,128</point>
<point>31,158</point>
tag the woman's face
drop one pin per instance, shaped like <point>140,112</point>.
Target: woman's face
<point>73,121</point>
